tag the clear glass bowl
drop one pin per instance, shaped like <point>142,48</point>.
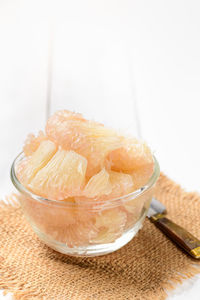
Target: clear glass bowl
<point>89,228</point>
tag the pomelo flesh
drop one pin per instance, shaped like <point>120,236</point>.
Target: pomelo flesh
<point>121,183</point>
<point>88,138</point>
<point>133,155</point>
<point>29,168</point>
<point>142,175</point>
<point>62,177</point>
<point>98,185</point>
<point>110,224</point>
<point>77,161</point>
<point>32,142</point>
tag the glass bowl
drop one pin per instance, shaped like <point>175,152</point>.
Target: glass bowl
<point>86,228</point>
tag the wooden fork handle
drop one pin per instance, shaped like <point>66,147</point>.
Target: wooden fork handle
<point>177,234</point>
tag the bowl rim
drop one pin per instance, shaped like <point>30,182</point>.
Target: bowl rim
<point>22,189</point>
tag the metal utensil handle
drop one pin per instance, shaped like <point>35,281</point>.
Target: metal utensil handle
<point>177,234</point>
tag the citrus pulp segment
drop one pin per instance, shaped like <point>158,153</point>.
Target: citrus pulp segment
<point>62,177</point>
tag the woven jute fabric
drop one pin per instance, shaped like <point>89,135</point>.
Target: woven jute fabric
<point>145,268</point>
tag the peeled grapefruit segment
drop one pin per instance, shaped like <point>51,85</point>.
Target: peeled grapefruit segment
<point>32,142</point>
<point>65,228</point>
<point>110,224</point>
<point>80,234</point>
<point>105,186</point>
<point>88,138</point>
<point>62,177</point>
<point>98,185</point>
<point>28,168</point>
<point>142,175</point>
<point>131,156</point>
<point>121,183</point>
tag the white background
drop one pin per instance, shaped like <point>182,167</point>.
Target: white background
<point>107,58</point>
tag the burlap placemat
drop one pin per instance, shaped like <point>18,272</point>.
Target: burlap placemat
<point>144,269</point>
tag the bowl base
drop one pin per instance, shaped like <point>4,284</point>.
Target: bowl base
<point>91,250</point>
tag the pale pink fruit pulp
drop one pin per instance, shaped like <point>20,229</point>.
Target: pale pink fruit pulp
<point>77,161</point>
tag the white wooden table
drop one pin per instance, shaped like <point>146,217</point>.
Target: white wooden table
<point>143,50</point>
